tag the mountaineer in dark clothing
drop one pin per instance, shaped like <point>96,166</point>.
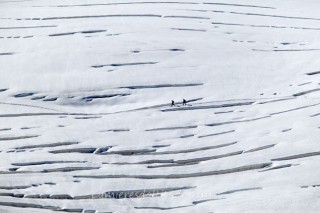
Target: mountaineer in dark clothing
<point>172,103</point>
<point>184,102</point>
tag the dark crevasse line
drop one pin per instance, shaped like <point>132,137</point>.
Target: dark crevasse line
<point>172,163</point>
<point>196,160</point>
<point>123,194</point>
<point>29,114</point>
<point>75,150</point>
<point>102,16</point>
<point>29,27</point>
<point>62,169</point>
<point>161,86</point>
<point>186,29</point>
<point>187,17</point>
<point>186,175</point>
<point>69,169</point>
<point>30,127</point>
<point>187,136</point>
<point>44,163</point>
<point>161,146</point>
<point>128,152</point>
<point>124,3</point>
<point>260,148</point>
<point>315,115</point>
<point>265,26</point>
<point>9,53</point>
<point>294,109</point>
<point>215,134</point>
<point>72,33</point>
<point>313,186</point>
<point>141,192</point>
<point>304,83</point>
<point>176,50</point>
<point>277,100</point>
<point>93,97</point>
<point>240,5</point>
<point>190,150</point>
<point>85,150</point>
<point>207,200</point>
<point>153,152</point>
<point>62,34</point>
<point>15,187</point>
<point>22,95</point>
<point>38,97</point>
<point>277,167</point>
<point>146,162</point>
<point>313,73</point>
<point>239,190</point>
<point>292,157</point>
<point>92,31</point>
<point>50,99</point>
<point>27,205</point>
<point>123,64</point>
<point>242,121</point>
<point>10,138</point>
<point>262,15</point>
<point>47,145</point>
<point>275,16</point>
<point>87,118</point>
<point>223,112</point>
<point>37,206</point>
<point>306,92</point>
<point>171,128</point>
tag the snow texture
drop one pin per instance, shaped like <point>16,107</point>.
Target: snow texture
<point>85,118</point>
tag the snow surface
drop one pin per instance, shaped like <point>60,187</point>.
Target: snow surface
<point>85,117</point>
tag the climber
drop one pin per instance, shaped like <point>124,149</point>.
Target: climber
<point>184,102</point>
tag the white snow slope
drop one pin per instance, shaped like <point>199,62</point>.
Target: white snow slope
<point>85,117</point>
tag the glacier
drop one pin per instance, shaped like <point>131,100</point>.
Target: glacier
<point>86,123</point>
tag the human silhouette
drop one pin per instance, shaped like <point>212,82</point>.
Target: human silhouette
<point>184,102</point>
<point>172,103</point>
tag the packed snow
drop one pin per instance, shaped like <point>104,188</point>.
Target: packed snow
<point>85,118</point>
